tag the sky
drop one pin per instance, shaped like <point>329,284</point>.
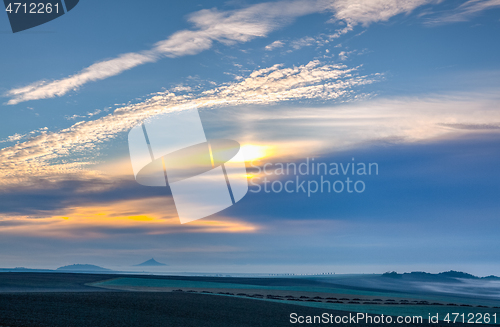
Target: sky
<point>409,86</point>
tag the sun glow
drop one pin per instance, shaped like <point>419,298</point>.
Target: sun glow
<point>253,152</point>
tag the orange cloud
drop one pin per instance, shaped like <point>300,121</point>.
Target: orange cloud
<point>145,216</point>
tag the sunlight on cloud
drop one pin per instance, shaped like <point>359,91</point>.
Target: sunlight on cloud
<point>230,226</point>
<point>370,11</point>
<point>297,133</point>
<point>44,155</point>
<point>150,216</point>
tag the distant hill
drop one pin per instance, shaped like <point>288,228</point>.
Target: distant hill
<point>442,275</point>
<point>150,263</point>
<point>23,269</point>
<point>457,274</point>
<point>82,267</point>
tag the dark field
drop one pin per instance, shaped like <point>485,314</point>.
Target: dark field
<point>145,309</point>
<point>53,299</point>
<point>49,282</point>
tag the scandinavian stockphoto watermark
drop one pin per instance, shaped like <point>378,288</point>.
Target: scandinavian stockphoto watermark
<point>310,177</point>
<point>204,177</point>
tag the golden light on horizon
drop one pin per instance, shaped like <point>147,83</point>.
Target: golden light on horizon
<point>141,218</point>
<point>148,216</point>
<point>224,226</point>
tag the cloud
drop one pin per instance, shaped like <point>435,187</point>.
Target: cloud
<point>97,71</point>
<point>98,208</point>
<point>298,132</point>
<point>274,45</point>
<point>369,11</point>
<point>227,27</point>
<point>303,42</point>
<point>320,40</point>
<point>89,114</point>
<point>182,88</point>
<point>465,11</point>
<point>473,126</point>
<point>46,155</point>
<point>275,84</point>
<point>52,181</point>
<point>13,138</point>
<point>151,216</point>
<point>70,154</point>
<point>344,54</point>
<point>45,196</point>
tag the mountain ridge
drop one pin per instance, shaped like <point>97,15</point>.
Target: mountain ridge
<point>82,267</point>
<point>445,274</point>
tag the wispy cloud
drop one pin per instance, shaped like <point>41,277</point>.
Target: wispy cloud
<point>343,55</point>
<point>296,133</point>
<point>307,41</point>
<point>97,71</point>
<point>227,27</point>
<point>473,127</point>
<point>465,11</point>
<point>303,42</point>
<point>369,11</point>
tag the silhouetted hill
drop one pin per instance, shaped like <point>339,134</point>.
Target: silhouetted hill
<point>82,268</point>
<point>23,269</point>
<point>151,262</point>
<point>441,275</point>
<point>458,274</point>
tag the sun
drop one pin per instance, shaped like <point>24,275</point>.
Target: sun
<point>252,152</point>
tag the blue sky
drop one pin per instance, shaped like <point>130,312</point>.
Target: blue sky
<point>409,84</point>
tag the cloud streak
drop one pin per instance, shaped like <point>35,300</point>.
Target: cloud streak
<point>369,11</point>
<point>465,11</point>
<point>296,133</point>
<point>211,25</point>
<point>151,216</point>
<point>227,27</point>
<point>95,72</point>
